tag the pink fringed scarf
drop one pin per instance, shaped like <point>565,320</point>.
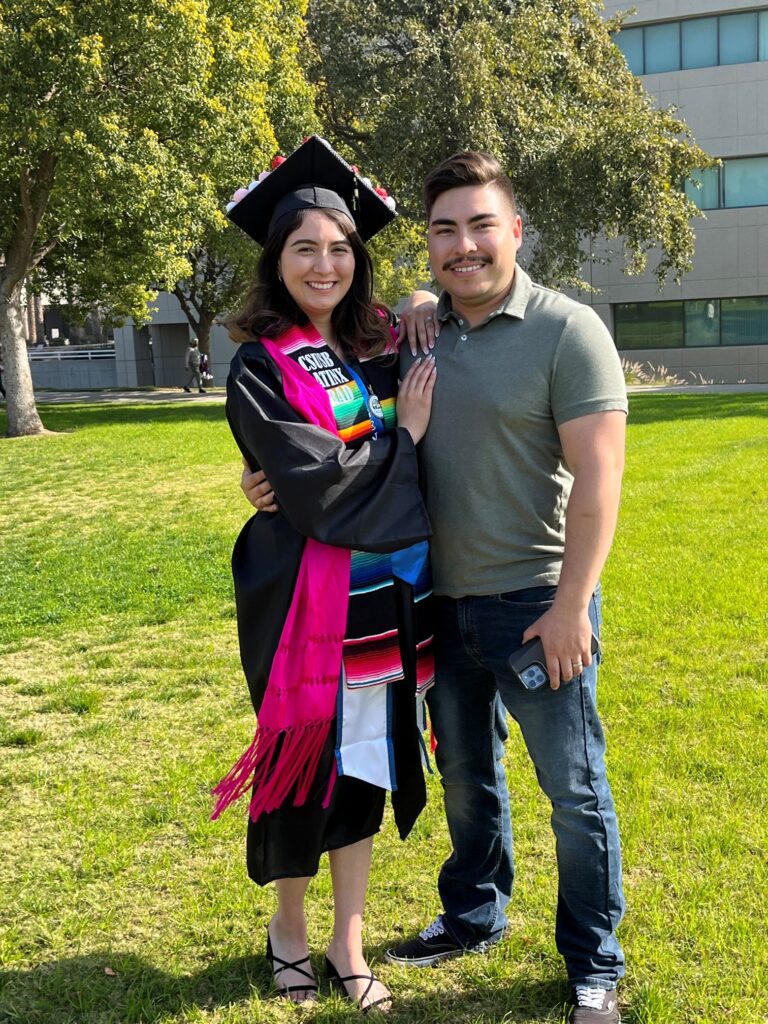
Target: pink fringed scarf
<point>299,705</point>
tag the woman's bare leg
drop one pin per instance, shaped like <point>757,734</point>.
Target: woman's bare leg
<point>350,867</point>
<point>288,932</point>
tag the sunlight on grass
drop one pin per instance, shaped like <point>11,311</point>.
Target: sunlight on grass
<point>122,702</point>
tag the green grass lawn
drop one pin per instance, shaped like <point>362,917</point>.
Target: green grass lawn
<point>122,702</point>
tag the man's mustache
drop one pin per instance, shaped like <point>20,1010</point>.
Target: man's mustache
<point>466,259</point>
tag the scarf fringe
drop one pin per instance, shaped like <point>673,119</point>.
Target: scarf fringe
<point>276,762</point>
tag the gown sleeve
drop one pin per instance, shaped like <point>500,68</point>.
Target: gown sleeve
<point>365,497</point>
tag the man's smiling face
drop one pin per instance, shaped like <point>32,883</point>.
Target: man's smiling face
<point>473,238</point>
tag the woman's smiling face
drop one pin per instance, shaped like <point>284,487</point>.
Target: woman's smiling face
<point>317,265</point>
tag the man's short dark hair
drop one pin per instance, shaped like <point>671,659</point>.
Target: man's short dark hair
<point>468,168</point>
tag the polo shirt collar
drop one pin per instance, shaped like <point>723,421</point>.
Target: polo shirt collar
<point>515,304</point>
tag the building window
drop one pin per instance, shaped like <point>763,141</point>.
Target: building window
<point>702,323</point>
<point>745,182</point>
<point>692,324</point>
<point>742,181</point>
<point>738,38</point>
<point>707,194</point>
<point>649,325</point>
<point>695,42</point>
<point>662,47</point>
<point>744,321</point>
<point>630,42</point>
<point>699,43</point>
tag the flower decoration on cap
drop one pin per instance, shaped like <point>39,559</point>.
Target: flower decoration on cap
<point>289,183</point>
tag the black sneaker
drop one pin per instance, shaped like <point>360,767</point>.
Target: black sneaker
<point>592,1005</point>
<point>430,947</point>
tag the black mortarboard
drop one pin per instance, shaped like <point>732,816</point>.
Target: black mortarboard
<point>314,176</point>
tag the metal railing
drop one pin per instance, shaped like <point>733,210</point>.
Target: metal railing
<point>59,353</point>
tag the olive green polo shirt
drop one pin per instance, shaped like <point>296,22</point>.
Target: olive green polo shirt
<point>495,481</point>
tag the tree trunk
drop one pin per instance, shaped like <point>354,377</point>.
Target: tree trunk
<point>39,320</point>
<point>204,324</point>
<point>23,419</point>
<point>29,319</point>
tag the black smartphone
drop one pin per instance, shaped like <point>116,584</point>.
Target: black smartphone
<point>529,666</point>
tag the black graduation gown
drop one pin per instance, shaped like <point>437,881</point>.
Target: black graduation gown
<point>364,497</point>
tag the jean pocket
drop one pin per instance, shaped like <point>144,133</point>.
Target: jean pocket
<point>529,599</point>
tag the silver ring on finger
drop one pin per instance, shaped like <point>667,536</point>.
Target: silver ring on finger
<point>428,319</point>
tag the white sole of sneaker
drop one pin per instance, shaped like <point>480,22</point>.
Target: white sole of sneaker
<point>427,961</point>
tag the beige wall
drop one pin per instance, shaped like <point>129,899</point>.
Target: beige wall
<point>727,110</point>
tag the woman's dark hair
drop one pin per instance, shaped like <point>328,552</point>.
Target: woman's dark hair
<point>361,326</point>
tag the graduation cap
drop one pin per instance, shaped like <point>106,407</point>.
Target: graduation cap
<point>313,177</point>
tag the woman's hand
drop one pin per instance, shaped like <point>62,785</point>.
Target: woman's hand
<point>418,322</point>
<point>414,399</point>
<point>257,489</point>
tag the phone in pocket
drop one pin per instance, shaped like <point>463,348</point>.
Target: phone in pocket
<point>529,666</point>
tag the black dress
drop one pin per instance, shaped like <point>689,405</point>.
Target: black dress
<point>358,490</point>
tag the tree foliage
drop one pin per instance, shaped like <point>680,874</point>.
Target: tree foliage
<point>406,83</point>
<point>123,126</point>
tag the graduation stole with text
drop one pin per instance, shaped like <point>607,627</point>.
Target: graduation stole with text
<point>299,705</point>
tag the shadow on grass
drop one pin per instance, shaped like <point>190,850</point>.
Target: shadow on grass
<point>659,408</point>
<point>75,990</point>
<point>78,989</point>
<point>73,417</point>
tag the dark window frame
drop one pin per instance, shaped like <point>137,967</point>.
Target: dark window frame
<point>683,302</point>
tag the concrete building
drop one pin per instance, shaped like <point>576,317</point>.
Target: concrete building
<point>154,355</point>
<point>710,59</point>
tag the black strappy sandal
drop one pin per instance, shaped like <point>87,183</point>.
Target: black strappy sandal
<point>335,978</point>
<point>285,965</point>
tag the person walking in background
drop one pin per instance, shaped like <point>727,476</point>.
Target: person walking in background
<point>192,361</point>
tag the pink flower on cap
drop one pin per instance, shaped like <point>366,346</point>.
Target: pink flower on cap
<point>353,168</point>
<point>381,192</point>
<point>240,194</point>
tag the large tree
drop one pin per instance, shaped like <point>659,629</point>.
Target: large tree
<point>119,125</point>
<point>95,103</point>
<point>404,84</point>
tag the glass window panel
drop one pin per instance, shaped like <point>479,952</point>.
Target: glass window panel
<point>738,38</point>
<point>745,182</point>
<point>630,42</point>
<point>744,321</point>
<point>648,325</point>
<point>702,322</point>
<point>699,43</point>
<point>763,49</point>
<point>662,47</point>
<point>707,195</point>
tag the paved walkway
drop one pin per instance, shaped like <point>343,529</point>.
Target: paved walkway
<point>137,397</point>
<point>696,389</point>
<point>155,395</point>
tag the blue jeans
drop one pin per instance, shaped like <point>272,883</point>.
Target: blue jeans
<point>562,731</point>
